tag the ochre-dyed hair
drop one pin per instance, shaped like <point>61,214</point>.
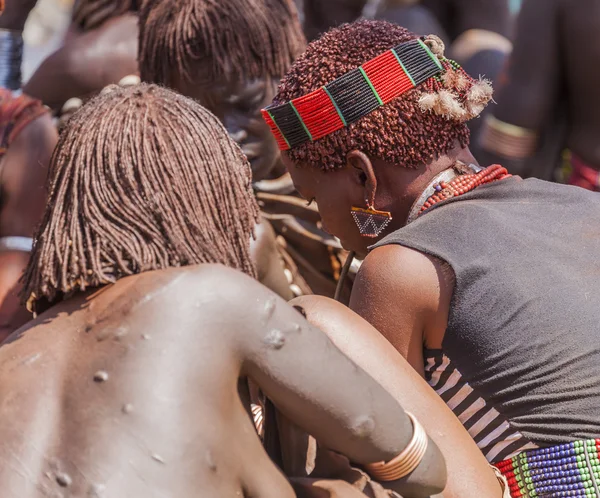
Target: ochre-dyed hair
<point>142,179</point>
<point>206,41</point>
<point>91,14</point>
<point>400,132</point>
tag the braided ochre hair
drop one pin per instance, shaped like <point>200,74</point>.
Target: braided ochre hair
<point>207,40</point>
<point>141,179</point>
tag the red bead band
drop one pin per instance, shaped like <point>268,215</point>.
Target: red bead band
<point>353,95</point>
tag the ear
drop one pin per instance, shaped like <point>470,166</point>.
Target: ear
<point>365,174</point>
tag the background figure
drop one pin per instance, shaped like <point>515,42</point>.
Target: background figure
<point>100,49</point>
<point>27,139</point>
<point>230,57</point>
<point>548,99</point>
<point>133,380</point>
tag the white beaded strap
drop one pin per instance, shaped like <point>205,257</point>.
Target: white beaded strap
<point>21,244</point>
<point>407,461</point>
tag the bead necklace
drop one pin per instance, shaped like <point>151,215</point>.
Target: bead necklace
<point>463,184</point>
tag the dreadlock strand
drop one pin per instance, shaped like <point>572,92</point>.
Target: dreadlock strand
<point>210,40</point>
<point>91,14</point>
<point>141,179</point>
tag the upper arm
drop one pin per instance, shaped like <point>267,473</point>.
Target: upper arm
<point>528,96</point>
<point>308,378</point>
<point>86,64</point>
<point>401,293</point>
<point>23,178</point>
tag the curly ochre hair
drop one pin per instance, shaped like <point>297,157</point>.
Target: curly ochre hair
<point>409,131</point>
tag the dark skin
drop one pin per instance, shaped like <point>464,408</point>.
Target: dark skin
<point>87,62</point>
<point>553,67</point>
<point>143,391</point>
<point>237,103</point>
<point>23,171</point>
<point>422,283</point>
<point>469,474</point>
<point>458,16</point>
<point>319,16</point>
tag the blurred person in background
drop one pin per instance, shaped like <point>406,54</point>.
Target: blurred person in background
<point>100,49</point>
<point>548,97</point>
<point>230,56</point>
<point>27,139</point>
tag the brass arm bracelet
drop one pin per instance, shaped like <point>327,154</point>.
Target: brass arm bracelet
<point>407,461</point>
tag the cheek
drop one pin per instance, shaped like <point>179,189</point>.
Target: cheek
<point>335,213</point>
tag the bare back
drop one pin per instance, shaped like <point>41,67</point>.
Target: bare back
<point>133,391</point>
<point>119,385</point>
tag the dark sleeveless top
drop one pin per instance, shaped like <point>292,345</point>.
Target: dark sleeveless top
<point>520,364</point>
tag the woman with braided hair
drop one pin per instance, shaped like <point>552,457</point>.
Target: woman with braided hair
<point>229,56</point>
<point>133,379</point>
<point>480,280</point>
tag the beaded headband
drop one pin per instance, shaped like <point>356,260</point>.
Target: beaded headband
<point>353,95</point>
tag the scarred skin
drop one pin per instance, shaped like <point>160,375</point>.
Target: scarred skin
<point>134,390</point>
<point>87,62</point>
<point>469,474</point>
<point>23,171</point>
<point>553,70</point>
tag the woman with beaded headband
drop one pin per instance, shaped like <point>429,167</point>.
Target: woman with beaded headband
<point>480,280</point>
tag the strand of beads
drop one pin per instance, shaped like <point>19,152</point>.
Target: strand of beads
<point>465,183</point>
<point>567,470</point>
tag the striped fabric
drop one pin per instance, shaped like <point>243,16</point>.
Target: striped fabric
<point>490,430</point>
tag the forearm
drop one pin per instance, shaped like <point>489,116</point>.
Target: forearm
<point>467,468</point>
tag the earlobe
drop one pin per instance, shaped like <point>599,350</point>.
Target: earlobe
<point>361,163</point>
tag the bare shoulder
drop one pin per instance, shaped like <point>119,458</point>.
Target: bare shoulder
<point>396,268</point>
<point>211,288</point>
<point>405,295</point>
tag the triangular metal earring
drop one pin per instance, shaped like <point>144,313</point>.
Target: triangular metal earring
<point>370,222</point>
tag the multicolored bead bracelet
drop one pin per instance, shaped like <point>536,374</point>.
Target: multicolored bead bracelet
<point>571,469</point>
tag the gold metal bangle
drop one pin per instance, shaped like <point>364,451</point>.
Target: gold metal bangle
<point>407,461</point>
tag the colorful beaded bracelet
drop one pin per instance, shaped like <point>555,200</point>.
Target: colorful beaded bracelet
<point>353,95</point>
<point>407,461</point>
<point>571,469</point>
